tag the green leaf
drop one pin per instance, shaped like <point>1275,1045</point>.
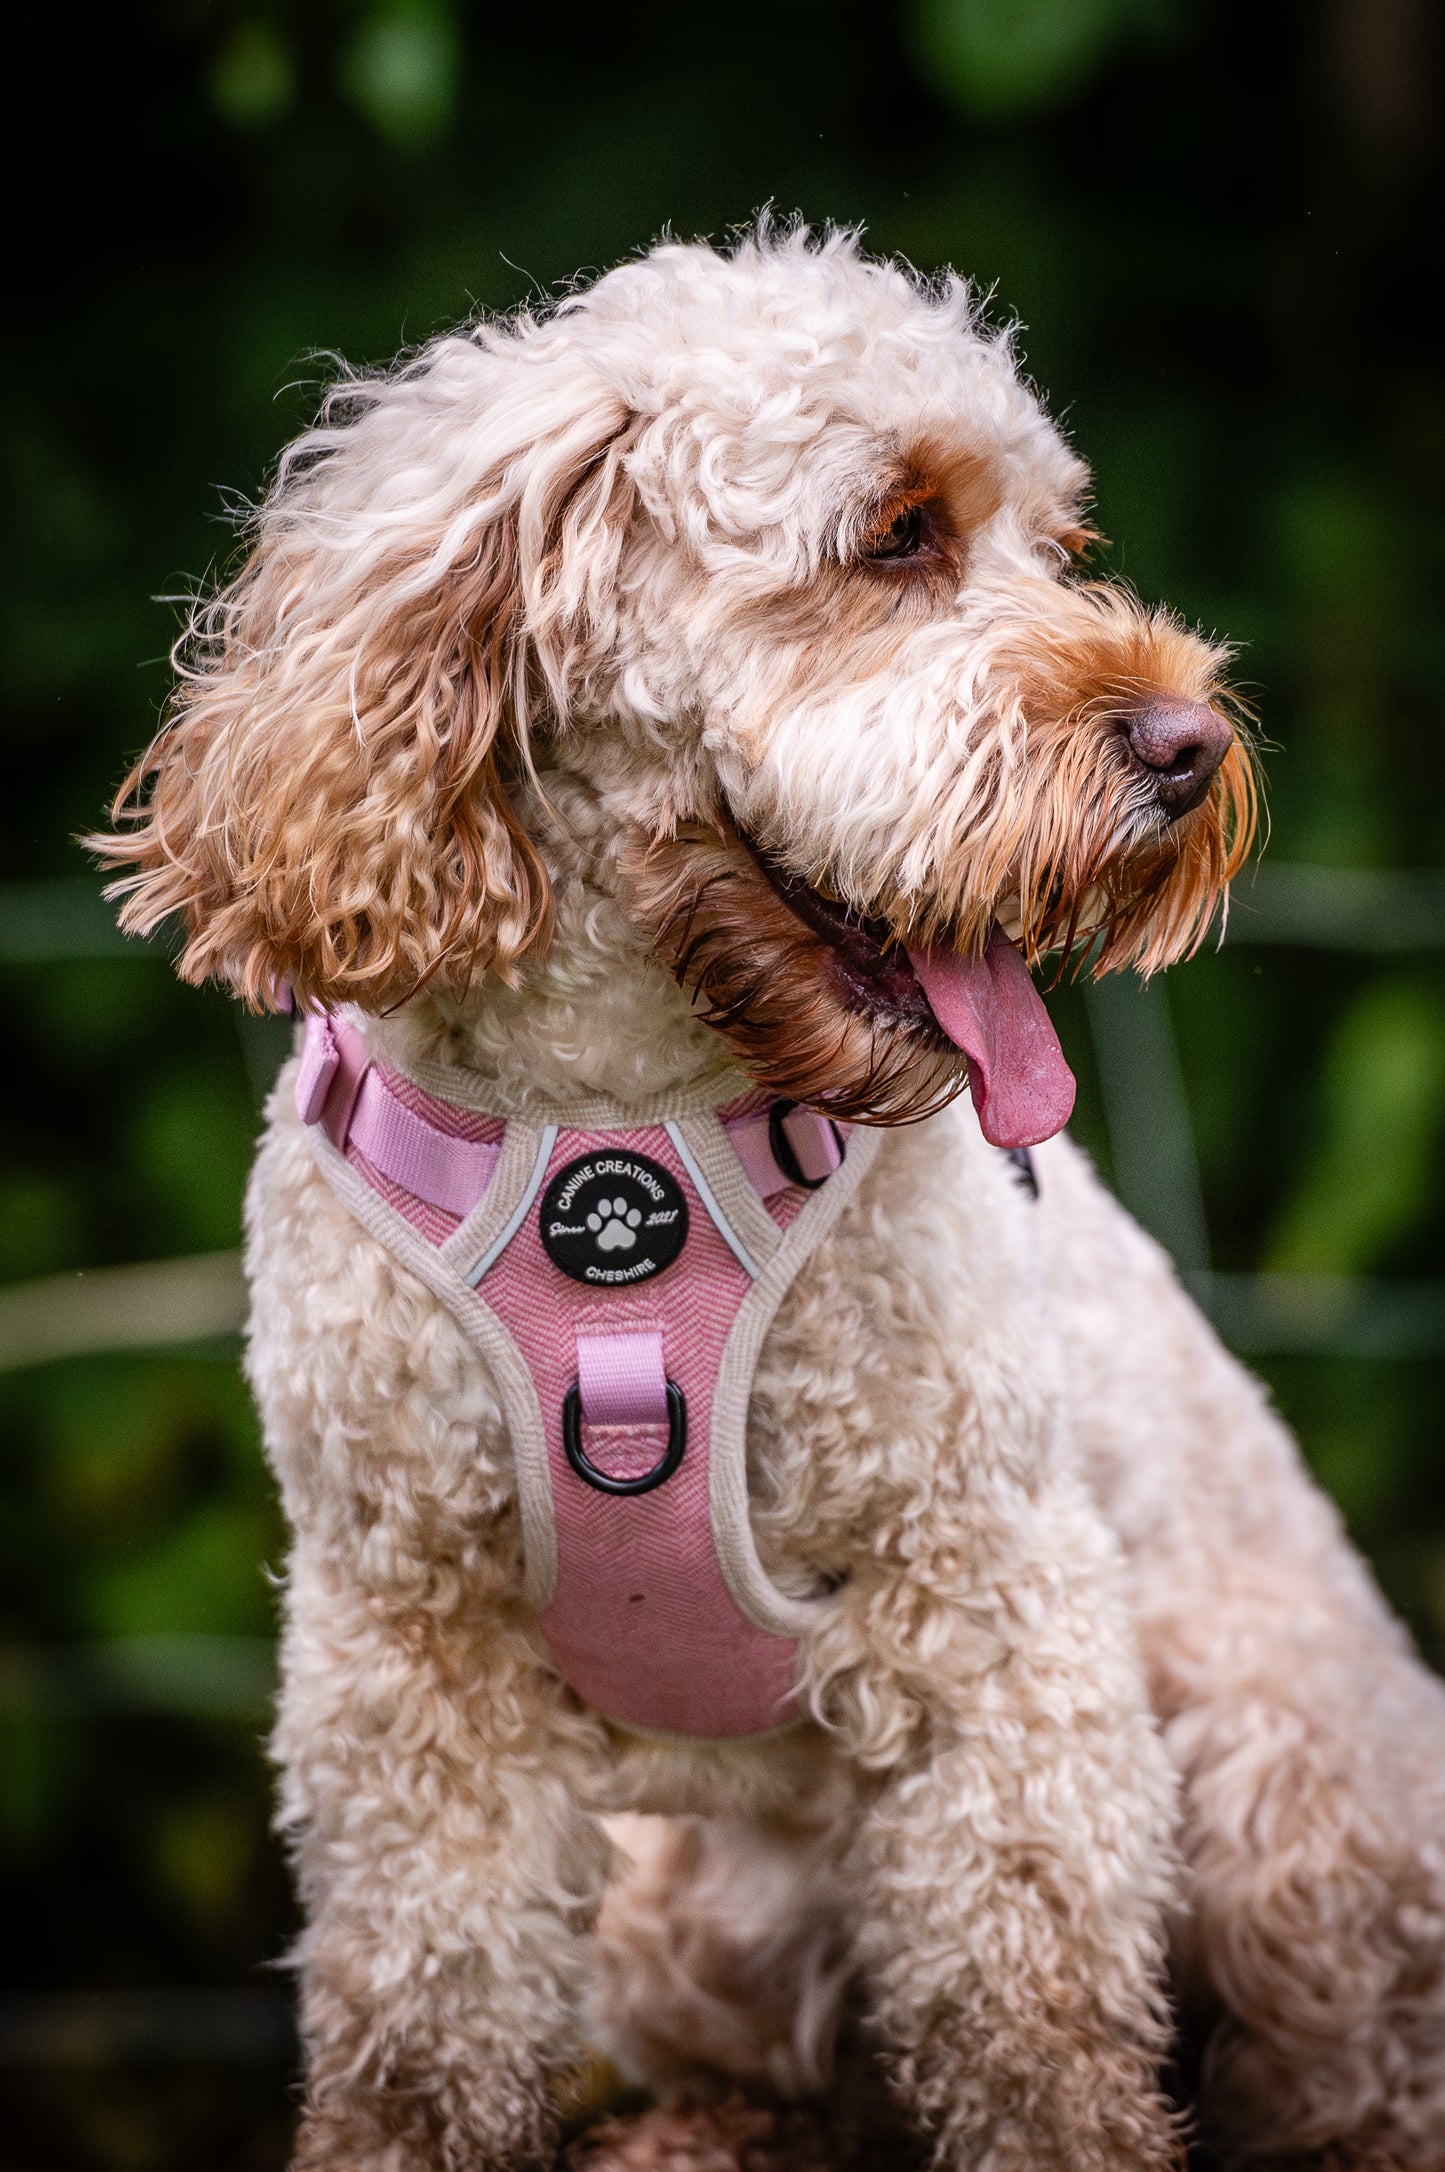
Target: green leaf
<point>999,58</point>
<point>401,69</point>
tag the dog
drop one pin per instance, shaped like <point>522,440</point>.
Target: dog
<point>815,1570</point>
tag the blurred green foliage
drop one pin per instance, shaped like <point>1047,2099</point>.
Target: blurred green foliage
<point>1001,58</point>
<point>1380,1101</point>
<point>1215,221</point>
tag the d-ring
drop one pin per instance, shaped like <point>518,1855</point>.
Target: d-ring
<point>664,1467</point>
<point>782,1147</point>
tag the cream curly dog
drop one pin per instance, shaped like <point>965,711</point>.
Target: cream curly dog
<point>686,702</point>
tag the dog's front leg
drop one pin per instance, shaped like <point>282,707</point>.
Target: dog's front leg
<point>449,1879</point>
<point>1015,1866</point>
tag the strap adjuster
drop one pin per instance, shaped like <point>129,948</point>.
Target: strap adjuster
<point>662,1470</point>
<point>784,1153</point>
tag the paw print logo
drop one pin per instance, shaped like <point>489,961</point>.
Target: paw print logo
<point>612,1218</point>
<point>614,1225</point>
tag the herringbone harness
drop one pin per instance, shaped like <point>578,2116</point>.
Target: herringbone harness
<point>618,1278</point>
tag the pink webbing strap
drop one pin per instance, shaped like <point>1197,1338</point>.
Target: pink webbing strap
<point>814,1141</point>
<point>620,1379</point>
<point>338,1087</point>
<point>622,1393</point>
<point>446,1172</point>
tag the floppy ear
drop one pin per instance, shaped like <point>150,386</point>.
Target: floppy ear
<point>327,801</point>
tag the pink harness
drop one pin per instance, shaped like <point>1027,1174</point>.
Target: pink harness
<point>619,1279</point>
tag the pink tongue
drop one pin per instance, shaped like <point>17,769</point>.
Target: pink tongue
<point>1021,1086</point>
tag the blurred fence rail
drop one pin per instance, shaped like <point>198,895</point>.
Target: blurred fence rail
<point>172,1304</point>
<point>1339,908</point>
<point>1351,1316</point>
<point>1151,1136</point>
<point>121,1308</point>
<point>152,2026</point>
<point>1277,901</point>
<point>48,923</point>
<point>185,1676</point>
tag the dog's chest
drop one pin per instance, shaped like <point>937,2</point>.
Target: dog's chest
<point>892,1363</point>
<point>916,1350</point>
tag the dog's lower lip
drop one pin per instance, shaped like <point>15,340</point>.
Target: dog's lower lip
<point>868,957</point>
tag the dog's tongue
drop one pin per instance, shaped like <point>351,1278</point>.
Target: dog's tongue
<point>1021,1086</point>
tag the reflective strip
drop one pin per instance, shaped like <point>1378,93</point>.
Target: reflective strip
<point>520,1212</point>
<point>704,1192</point>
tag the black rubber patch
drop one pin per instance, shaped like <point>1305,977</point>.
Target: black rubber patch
<point>611,1219</point>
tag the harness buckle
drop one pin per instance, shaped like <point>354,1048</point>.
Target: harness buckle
<point>784,1153</point>
<point>662,1470</point>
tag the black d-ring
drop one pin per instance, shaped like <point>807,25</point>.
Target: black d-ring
<point>664,1467</point>
<point>782,1147</point>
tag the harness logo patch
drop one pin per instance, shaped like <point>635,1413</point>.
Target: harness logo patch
<point>612,1219</point>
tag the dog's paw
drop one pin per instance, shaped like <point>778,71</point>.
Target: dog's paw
<point>614,1224</point>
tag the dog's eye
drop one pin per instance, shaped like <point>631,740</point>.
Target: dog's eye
<point>902,538</point>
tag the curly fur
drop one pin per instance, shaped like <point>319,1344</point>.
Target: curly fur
<point>565,656</point>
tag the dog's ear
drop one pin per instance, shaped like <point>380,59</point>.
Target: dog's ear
<point>327,802</point>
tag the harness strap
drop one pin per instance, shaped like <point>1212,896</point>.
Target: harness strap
<point>620,1380</point>
<point>623,1401</point>
<point>786,1144</point>
<point>340,1088</point>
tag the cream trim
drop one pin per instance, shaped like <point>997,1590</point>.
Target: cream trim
<point>510,1374</point>
<point>733,1192</point>
<point>704,1192</point>
<point>752,1589</point>
<point>471,1237</point>
<point>546,1140</point>
<point>593,1112</point>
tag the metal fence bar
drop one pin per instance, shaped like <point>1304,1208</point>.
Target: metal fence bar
<point>184,1676</point>
<point>1350,1316</point>
<point>1277,901</point>
<point>156,1307</point>
<point>1339,908</point>
<point>1146,1111</point>
<point>153,1308</point>
<point>42,923</point>
<point>190,2025</point>
<point>121,1308</point>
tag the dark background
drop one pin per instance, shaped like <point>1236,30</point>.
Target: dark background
<point>1220,227</point>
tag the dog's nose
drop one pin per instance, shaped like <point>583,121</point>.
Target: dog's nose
<point>1177,746</point>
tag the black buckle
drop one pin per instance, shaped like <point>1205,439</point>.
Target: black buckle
<point>782,1147</point>
<point>664,1467</point>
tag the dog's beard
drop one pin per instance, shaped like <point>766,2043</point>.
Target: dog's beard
<point>829,1007</point>
<point>832,1007</point>
<point>837,1019</point>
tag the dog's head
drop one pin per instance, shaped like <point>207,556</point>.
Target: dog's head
<point>778,549</point>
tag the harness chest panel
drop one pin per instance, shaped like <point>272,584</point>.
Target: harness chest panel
<point>619,1281</point>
